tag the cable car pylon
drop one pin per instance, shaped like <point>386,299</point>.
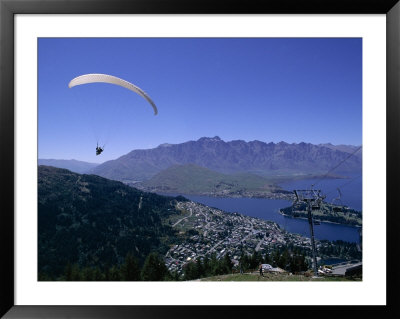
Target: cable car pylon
<point>313,199</point>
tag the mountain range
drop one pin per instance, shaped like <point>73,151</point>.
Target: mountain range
<point>238,156</point>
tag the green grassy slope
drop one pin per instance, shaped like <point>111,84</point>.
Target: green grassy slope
<point>193,179</point>
<point>275,277</point>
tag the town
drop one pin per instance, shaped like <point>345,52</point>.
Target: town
<point>212,231</point>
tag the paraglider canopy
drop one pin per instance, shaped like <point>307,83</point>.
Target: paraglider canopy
<point>105,78</point>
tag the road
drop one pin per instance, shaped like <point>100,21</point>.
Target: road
<point>260,242</point>
<point>341,269</point>
<point>183,218</point>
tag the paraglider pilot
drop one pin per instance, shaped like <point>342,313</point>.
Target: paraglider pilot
<point>99,150</point>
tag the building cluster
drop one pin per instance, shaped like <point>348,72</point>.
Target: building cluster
<point>214,231</point>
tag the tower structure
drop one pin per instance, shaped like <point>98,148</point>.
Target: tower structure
<point>313,199</point>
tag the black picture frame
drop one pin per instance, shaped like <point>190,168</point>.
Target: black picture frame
<point>8,9</point>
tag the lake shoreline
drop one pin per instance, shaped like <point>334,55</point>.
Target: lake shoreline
<point>285,195</point>
<point>321,221</point>
<point>257,197</point>
<point>268,209</point>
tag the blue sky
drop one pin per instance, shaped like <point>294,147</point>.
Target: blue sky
<point>272,90</point>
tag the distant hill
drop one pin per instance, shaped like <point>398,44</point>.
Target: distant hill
<point>194,179</point>
<point>72,165</point>
<point>267,159</point>
<point>91,221</point>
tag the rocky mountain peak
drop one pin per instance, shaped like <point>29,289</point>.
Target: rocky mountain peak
<point>210,139</point>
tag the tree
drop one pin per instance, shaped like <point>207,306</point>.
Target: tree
<point>255,260</point>
<point>114,274</point>
<point>275,258</point>
<point>73,273</point>
<point>190,271</point>
<point>284,260</point>
<point>44,277</point>
<point>130,269</point>
<point>214,265</point>
<point>154,268</point>
<point>245,261</point>
<point>227,263</point>
<point>206,267</point>
<point>298,263</point>
<point>88,274</point>
<point>200,270</point>
<point>267,259</point>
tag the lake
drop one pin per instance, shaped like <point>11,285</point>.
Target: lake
<point>350,189</point>
<point>268,209</point>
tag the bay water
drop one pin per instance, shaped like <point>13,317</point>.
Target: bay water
<point>268,209</point>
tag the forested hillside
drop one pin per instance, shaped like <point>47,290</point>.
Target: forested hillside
<point>91,221</point>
